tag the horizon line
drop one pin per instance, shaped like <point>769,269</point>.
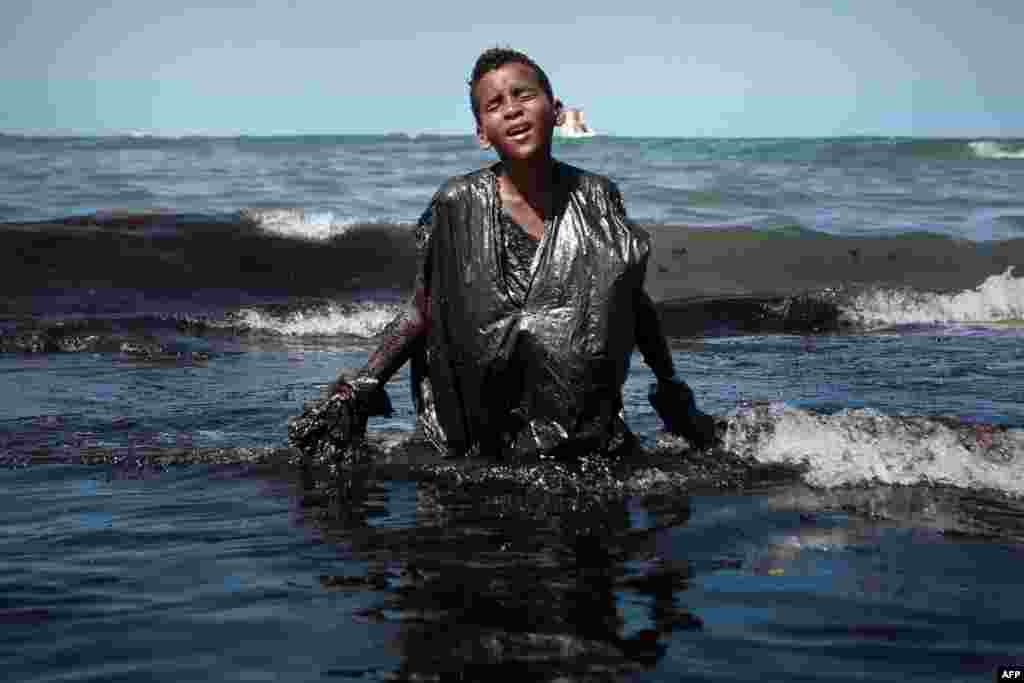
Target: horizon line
<point>143,135</point>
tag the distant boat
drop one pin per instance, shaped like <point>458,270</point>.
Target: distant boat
<point>574,125</point>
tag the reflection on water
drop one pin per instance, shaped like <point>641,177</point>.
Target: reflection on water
<point>482,578</point>
<point>487,581</point>
<point>260,572</point>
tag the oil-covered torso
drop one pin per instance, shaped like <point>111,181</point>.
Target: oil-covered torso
<point>534,366</point>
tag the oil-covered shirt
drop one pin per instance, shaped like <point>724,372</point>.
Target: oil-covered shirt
<point>516,359</point>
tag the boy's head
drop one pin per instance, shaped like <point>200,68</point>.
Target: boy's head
<point>514,106</point>
<point>495,58</point>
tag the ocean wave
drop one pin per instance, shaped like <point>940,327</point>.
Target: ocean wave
<point>878,149</point>
<point>363,319</point>
<point>1000,298</point>
<point>777,279</point>
<point>875,150</point>
<point>840,150</point>
<point>318,226</point>
<point>166,255</point>
<point>857,447</point>
<point>990,149</point>
<point>853,450</point>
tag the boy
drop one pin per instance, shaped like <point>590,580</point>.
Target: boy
<point>529,299</point>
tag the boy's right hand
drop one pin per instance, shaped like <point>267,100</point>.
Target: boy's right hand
<point>343,389</point>
<point>367,395</point>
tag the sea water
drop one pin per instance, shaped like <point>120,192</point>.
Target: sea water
<point>190,294</point>
<point>968,188</point>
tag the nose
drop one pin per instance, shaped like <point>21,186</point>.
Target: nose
<point>513,109</point>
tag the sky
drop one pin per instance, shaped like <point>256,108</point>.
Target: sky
<point>722,68</point>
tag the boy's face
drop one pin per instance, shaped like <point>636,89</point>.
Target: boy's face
<point>516,115</point>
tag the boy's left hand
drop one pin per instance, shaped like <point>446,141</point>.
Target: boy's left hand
<point>673,400</point>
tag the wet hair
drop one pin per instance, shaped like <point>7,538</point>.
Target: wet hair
<point>495,58</point>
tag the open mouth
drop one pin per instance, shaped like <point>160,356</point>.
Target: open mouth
<point>516,131</point>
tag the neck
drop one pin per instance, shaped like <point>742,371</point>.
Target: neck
<point>533,179</point>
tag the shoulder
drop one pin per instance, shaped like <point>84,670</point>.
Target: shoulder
<point>603,195</point>
<point>454,190</point>
<point>453,198</point>
<point>461,187</point>
<point>591,186</point>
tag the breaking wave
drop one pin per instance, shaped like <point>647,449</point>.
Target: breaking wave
<point>365,319</point>
<point>317,226</point>
<point>856,447</point>
<point>853,447</point>
<point>1000,298</point>
<point>997,302</point>
<point>989,149</point>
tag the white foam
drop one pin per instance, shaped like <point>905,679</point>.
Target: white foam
<point>864,446</point>
<point>318,226</point>
<point>998,298</point>
<point>360,320</point>
<point>989,149</point>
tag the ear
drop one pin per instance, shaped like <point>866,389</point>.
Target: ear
<point>559,112</point>
<point>481,137</point>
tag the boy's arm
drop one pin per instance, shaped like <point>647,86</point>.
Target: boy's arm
<point>402,335</point>
<point>670,397</point>
<point>650,338</point>
<point>648,333</point>
<point>397,345</point>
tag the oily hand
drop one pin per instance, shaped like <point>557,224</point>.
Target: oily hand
<point>329,426</point>
<point>674,402</point>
